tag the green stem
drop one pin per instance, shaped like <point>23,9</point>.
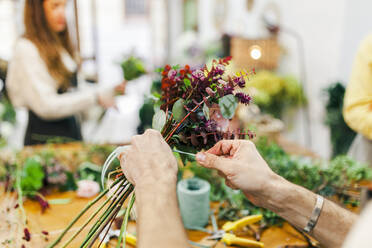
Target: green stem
<point>114,201</point>
<point>123,229</point>
<point>90,204</point>
<point>106,218</point>
<point>184,118</point>
<point>107,224</point>
<point>91,217</point>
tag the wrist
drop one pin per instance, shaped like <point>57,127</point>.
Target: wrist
<point>155,184</point>
<point>159,192</point>
<point>271,193</point>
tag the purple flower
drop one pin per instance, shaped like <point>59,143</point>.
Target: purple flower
<point>211,126</point>
<point>243,98</point>
<point>198,74</point>
<point>219,70</point>
<point>240,81</point>
<point>228,89</point>
<point>172,74</point>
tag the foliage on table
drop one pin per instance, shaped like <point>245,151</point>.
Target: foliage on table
<point>275,94</point>
<point>341,134</point>
<point>35,172</point>
<point>331,179</point>
<point>7,119</point>
<point>191,112</point>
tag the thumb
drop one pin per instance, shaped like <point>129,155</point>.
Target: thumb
<point>211,161</point>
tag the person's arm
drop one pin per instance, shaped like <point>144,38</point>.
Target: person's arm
<point>244,168</point>
<point>31,85</point>
<point>159,223</point>
<point>360,234</point>
<point>295,204</point>
<point>150,165</point>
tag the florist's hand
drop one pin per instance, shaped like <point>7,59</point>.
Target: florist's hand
<point>239,162</point>
<point>106,101</point>
<point>149,161</point>
<point>120,89</point>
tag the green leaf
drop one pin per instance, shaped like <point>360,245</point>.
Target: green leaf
<point>187,82</point>
<point>155,96</point>
<point>59,201</point>
<point>32,175</point>
<point>159,70</point>
<point>158,121</point>
<point>157,106</point>
<point>228,105</point>
<point>178,110</point>
<point>206,111</point>
<point>70,182</point>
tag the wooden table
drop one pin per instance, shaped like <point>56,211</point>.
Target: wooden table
<point>55,219</point>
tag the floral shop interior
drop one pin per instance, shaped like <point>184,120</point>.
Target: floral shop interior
<point>185,123</point>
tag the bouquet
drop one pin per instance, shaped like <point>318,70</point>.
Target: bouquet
<point>191,112</point>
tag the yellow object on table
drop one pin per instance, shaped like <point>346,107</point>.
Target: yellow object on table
<point>233,226</point>
<point>131,239</point>
<point>231,239</point>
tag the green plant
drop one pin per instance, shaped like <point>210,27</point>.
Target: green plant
<point>32,175</point>
<point>341,135</point>
<point>133,68</point>
<point>275,94</point>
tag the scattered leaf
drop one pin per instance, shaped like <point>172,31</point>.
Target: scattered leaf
<point>59,201</point>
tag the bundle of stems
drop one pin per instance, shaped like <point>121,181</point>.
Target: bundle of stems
<point>122,190</point>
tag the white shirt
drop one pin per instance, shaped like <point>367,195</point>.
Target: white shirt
<point>30,85</point>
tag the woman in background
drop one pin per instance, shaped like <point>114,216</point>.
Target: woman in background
<point>42,76</point>
<point>358,103</point>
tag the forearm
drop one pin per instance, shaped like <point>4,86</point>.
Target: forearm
<point>159,220</point>
<point>295,204</point>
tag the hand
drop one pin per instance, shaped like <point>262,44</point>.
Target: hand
<point>239,162</point>
<point>120,89</point>
<point>149,161</point>
<point>106,101</point>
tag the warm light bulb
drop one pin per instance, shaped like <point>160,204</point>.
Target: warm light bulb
<point>255,52</point>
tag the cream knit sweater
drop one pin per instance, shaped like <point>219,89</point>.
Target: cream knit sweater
<point>30,85</point>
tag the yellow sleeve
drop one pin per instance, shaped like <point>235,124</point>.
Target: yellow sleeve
<point>358,97</point>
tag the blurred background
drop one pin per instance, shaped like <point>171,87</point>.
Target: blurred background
<point>299,49</point>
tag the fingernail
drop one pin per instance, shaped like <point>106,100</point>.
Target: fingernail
<point>200,157</point>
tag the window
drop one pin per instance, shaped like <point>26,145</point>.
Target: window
<point>135,7</point>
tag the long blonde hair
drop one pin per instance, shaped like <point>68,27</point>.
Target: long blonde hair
<point>48,43</point>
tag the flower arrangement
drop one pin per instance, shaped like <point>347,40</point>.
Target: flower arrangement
<point>192,111</point>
